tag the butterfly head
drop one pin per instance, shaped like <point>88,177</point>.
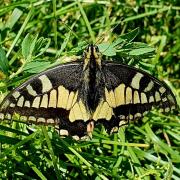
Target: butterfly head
<point>92,56</point>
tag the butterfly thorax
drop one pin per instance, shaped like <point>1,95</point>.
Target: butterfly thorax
<point>92,79</point>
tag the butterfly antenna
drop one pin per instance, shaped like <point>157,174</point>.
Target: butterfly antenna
<point>102,36</point>
<point>111,30</point>
<point>115,26</point>
<point>72,31</point>
<point>71,28</point>
<point>99,39</point>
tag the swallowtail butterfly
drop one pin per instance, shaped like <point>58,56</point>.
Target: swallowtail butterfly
<point>77,96</point>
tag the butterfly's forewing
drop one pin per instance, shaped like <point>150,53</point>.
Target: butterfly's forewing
<point>129,94</point>
<point>49,98</point>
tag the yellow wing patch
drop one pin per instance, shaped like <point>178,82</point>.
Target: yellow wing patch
<point>20,101</point>
<point>110,98</point>
<point>53,98</point>
<point>136,97</point>
<point>27,104</point>
<point>128,95</point>
<point>70,100</point>
<point>63,94</point>
<point>44,102</point>
<point>46,83</point>
<point>36,102</point>
<point>79,112</point>
<point>119,95</point>
<point>143,98</point>
<point>103,111</point>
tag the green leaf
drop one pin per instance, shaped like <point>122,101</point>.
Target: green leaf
<point>4,64</point>
<point>16,14</point>
<point>107,49</point>
<point>8,129</point>
<point>131,35</point>
<point>136,45</point>
<point>8,140</point>
<point>117,41</point>
<point>140,51</point>
<point>41,46</point>
<point>81,46</point>
<point>28,45</point>
<point>64,44</point>
<point>36,66</point>
<point>32,47</point>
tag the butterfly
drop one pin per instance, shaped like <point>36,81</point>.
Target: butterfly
<point>77,96</point>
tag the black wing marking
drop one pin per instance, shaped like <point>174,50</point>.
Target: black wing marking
<point>131,93</point>
<point>48,98</point>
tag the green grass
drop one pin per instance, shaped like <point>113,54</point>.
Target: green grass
<point>35,35</point>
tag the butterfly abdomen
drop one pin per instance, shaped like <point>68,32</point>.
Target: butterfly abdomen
<point>92,84</point>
